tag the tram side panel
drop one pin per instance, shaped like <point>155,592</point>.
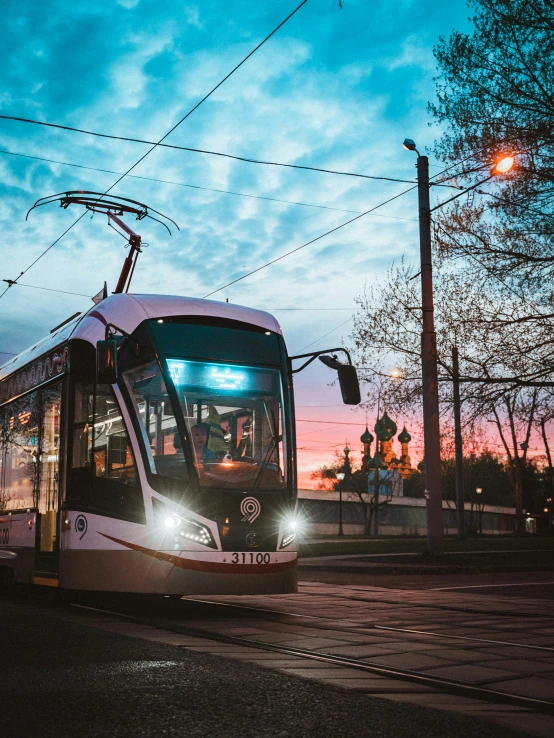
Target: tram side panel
<point>17,546</point>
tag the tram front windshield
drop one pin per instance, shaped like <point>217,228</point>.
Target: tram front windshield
<point>232,415</point>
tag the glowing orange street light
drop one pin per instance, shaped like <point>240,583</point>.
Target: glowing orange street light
<point>503,166</point>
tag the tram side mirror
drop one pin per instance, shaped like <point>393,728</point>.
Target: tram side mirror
<point>348,380</point>
<point>349,385</point>
<point>106,362</point>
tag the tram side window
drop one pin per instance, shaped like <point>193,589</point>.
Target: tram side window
<point>103,475</point>
<point>19,453</point>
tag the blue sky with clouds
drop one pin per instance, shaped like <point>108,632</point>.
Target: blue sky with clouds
<point>337,89</point>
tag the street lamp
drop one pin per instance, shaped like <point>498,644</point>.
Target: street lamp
<point>431,427</point>
<point>479,490</point>
<point>503,166</point>
<point>340,477</point>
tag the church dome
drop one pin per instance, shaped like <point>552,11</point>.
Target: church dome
<point>388,424</point>
<point>376,462</point>
<point>384,434</point>
<point>366,436</point>
<point>404,437</point>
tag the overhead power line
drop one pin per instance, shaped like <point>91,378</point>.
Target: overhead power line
<point>154,146</point>
<point>183,184</point>
<point>272,310</point>
<point>198,187</point>
<point>328,422</point>
<point>325,335</point>
<point>246,159</point>
<point>327,233</point>
<point>47,289</point>
<point>308,243</point>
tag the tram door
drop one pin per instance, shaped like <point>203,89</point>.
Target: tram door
<point>48,483</point>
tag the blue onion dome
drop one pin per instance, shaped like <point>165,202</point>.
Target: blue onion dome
<point>384,434</point>
<point>366,436</point>
<point>387,423</point>
<point>404,437</point>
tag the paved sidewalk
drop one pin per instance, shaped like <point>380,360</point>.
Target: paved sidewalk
<point>500,643</point>
<point>504,644</point>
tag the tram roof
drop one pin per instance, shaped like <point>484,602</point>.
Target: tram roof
<point>128,312</point>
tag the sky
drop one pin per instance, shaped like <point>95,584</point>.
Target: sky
<point>333,88</point>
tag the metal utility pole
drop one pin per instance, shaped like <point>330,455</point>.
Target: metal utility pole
<point>341,532</point>
<point>431,427</point>
<point>377,482</point>
<point>458,445</point>
<point>340,476</point>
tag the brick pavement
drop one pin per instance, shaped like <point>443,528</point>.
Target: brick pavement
<point>436,633</point>
<point>500,643</point>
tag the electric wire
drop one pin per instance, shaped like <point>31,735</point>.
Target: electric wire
<point>326,334</point>
<point>195,107</point>
<point>324,422</point>
<point>327,233</point>
<point>51,289</point>
<point>198,187</point>
<point>219,153</point>
<point>308,243</point>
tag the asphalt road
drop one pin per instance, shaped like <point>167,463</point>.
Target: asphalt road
<point>537,584</point>
<point>63,679</point>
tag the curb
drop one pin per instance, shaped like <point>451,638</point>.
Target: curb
<point>420,568</point>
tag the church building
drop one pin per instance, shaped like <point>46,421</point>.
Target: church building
<point>384,458</point>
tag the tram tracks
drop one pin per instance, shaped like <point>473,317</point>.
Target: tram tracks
<point>442,684</point>
<point>370,628</point>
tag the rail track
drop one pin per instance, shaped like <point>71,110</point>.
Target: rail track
<point>450,686</point>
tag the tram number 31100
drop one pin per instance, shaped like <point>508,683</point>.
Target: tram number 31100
<point>250,558</point>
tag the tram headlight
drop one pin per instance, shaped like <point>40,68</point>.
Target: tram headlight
<point>291,528</point>
<point>184,529</point>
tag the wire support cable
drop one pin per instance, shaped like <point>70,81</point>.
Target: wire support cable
<point>195,107</point>
<point>184,184</point>
<point>248,160</point>
<point>308,243</point>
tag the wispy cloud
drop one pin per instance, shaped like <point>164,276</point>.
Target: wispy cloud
<point>333,89</point>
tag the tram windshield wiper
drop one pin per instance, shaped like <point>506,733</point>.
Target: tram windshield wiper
<point>273,441</point>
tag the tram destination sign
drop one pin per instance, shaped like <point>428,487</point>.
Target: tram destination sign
<point>41,370</point>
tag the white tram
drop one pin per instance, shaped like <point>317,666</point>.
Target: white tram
<point>169,468</point>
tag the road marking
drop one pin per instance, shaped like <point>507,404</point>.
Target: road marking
<point>485,586</point>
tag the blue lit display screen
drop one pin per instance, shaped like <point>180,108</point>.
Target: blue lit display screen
<point>221,378</point>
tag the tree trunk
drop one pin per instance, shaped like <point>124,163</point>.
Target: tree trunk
<point>368,509</point>
<point>518,482</point>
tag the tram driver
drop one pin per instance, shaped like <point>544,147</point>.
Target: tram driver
<point>200,434</point>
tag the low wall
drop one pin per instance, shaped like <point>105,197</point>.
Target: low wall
<point>401,516</point>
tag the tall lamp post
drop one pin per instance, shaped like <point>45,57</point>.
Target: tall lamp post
<point>430,390</point>
<point>340,477</point>
<point>479,491</point>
